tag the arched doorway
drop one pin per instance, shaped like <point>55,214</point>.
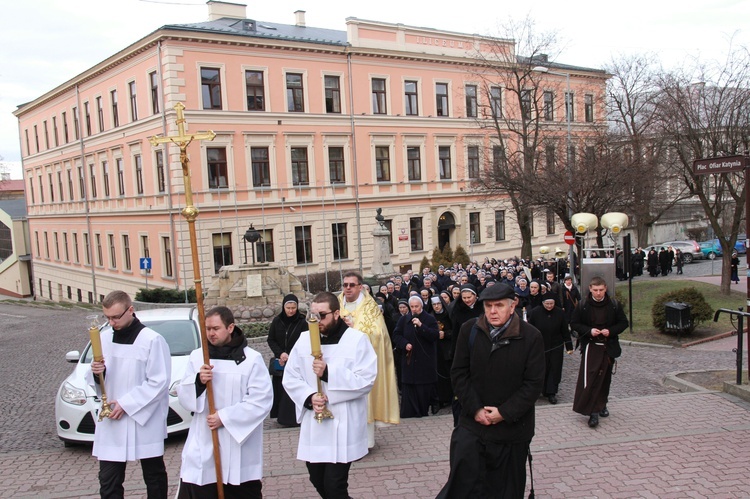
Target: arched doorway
<point>446,225</point>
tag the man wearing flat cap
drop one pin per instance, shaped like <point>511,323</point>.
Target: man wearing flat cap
<point>497,374</point>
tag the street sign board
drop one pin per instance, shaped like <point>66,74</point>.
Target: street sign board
<point>569,238</point>
<point>726,164</point>
<point>146,263</point>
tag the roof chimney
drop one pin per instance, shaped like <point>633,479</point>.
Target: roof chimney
<point>218,10</point>
<point>299,18</point>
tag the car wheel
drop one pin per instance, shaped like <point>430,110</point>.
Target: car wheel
<point>687,258</point>
<point>711,255</point>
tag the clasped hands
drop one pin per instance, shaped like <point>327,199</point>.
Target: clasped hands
<point>597,332</point>
<point>488,415</point>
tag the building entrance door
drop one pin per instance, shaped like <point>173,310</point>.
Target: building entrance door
<point>446,226</point>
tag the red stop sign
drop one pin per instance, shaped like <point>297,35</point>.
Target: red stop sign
<point>569,238</point>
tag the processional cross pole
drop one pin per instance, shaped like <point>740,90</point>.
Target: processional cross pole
<point>190,212</point>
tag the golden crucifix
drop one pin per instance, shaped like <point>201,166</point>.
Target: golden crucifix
<point>190,212</point>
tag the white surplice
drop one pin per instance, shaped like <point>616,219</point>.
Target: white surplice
<point>352,368</point>
<point>242,397</point>
<point>137,378</point>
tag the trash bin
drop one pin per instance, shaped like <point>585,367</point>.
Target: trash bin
<point>678,317</point>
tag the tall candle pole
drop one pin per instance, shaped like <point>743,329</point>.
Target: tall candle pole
<point>317,352</point>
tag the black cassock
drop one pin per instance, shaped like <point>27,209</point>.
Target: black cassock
<point>594,378</point>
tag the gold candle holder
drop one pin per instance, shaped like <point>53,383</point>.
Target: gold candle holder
<point>96,347</point>
<point>316,351</point>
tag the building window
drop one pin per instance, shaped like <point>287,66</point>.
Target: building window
<point>38,250</point>
<point>133,101</point>
<point>340,246</point>
<point>81,184</point>
<point>6,242</point>
<point>295,95</point>
<point>572,156</point>
<point>57,246</point>
<point>260,166</point>
<point>41,188</point>
<point>300,173</point>
<point>415,229</point>
<point>569,109</point>
<point>86,248</point>
<point>255,91</point>
<point>76,129</point>
<point>590,155</point>
<point>145,251</point>
<point>471,101</point>
<point>70,184</point>
<point>333,94</point>
<point>378,96</point>
<point>303,244</point>
<point>36,138</point>
<point>65,131</point>
<point>444,153</point>
<point>60,186</point>
<point>153,78</point>
<point>112,251</point>
<point>383,164</point>
<point>167,251</point>
<point>70,293</point>
<point>475,236</point>
<point>526,104</point>
<point>31,190</point>
<point>222,244</point>
<point>217,167</point>
<point>411,98</point>
<point>588,109</point>
<point>126,251</point>
<point>100,113</point>
<point>441,96</point>
<point>76,256</point>
<point>99,250</point>
<point>472,154</point>
<point>264,246</point>
<point>54,131</point>
<point>413,163</point>
<point>550,221</point>
<point>496,102</point>
<point>66,250</point>
<point>211,88</point>
<point>51,188</point>
<point>115,114</point>
<point>550,155</point>
<point>500,225</point>
<point>120,176</point>
<point>92,174</point>
<point>336,165</point>
<point>46,134</point>
<point>138,173</point>
<point>87,117</point>
<point>160,178</point>
<point>549,105</point>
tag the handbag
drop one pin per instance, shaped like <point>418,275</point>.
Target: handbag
<point>274,367</point>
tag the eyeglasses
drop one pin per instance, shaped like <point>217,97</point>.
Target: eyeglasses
<point>323,315</point>
<point>350,284</point>
<point>116,317</point>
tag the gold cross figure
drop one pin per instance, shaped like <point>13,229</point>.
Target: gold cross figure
<point>190,212</point>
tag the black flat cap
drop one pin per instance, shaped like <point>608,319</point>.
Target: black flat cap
<point>499,291</point>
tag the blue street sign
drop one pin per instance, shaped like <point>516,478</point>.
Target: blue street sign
<point>145,263</point>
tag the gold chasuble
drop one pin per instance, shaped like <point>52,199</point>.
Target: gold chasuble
<point>383,399</point>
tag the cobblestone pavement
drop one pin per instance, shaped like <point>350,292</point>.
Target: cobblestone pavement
<point>653,445</point>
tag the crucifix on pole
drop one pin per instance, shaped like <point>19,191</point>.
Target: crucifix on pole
<point>190,212</point>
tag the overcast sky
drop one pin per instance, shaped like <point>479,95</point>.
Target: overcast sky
<point>43,43</point>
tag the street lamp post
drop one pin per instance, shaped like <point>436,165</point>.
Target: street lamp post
<point>569,148</point>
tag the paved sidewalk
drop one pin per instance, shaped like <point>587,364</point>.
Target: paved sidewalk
<point>675,445</point>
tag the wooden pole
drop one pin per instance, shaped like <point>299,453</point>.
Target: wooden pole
<point>190,212</point>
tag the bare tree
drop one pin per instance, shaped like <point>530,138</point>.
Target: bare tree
<point>705,113</point>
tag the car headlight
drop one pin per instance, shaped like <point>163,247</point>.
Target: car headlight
<point>72,395</point>
<point>173,389</point>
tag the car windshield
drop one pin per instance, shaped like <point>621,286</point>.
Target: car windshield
<point>182,337</point>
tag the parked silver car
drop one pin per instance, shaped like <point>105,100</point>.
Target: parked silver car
<point>691,250</point>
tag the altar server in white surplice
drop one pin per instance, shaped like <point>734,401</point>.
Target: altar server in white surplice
<point>137,370</point>
<point>347,370</point>
<point>242,398</point>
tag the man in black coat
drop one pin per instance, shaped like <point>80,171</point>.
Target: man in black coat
<point>550,320</point>
<point>497,373</point>
<point>598,320</point>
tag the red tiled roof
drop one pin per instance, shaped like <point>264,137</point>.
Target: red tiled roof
<point>11,185</point>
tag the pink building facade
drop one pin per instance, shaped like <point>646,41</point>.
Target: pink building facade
<point>315,130</point>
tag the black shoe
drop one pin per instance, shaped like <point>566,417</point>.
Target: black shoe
<point>434,408</point>
<point>604,412</point>
<point>594,421</point>
<point>552,399</point>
